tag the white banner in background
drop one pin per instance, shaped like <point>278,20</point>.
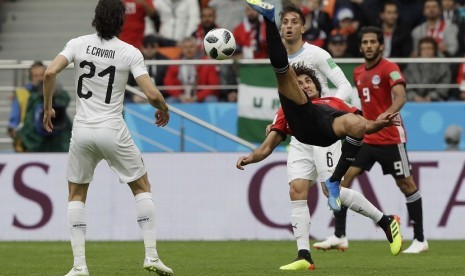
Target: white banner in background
<point>204,197</point>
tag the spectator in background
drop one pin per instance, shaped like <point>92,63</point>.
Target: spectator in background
<point>207,23</point>
<point>451,14</point>
<point>191,76</point>
<point>337,46</point>
<point>313,33</point>
<point>157,73</point>
<point>25,124</point>
<point>229,12</point>
<point>179,18</point>
<point>250,36</point>
<point>397,39</point>
<point>319,18</point>
<point>444,33</point>
<point>452,137</point>
<point>428,73</point>
<point>134,22</point>
<point>347,27</point>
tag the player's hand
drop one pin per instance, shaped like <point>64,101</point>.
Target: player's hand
<point>47,120</point>
<point>268,129</point>
<point>242,161</point>
<point>162,117</point>
<point>389,119</point>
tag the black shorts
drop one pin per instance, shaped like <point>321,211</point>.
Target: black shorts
<point>311,123</point>
<point>392,158</point>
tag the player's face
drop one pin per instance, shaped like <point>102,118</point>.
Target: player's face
<point>291,27</point>
<point>370,47</point>
<point>308,86</point>
<point>37,75</point>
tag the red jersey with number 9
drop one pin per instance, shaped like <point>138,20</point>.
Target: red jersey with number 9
<point>374,88</point>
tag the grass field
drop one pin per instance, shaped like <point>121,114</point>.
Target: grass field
<point>230,258</point>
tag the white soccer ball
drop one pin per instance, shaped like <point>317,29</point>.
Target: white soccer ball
<point>219,44</point>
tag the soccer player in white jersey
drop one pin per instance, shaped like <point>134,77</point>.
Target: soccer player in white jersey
<point>308,164</point>
<point>102,64</point>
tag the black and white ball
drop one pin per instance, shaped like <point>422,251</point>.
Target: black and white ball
<point>219,44</point>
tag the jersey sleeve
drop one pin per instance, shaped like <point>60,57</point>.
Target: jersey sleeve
<point>69,50</point>
<point>280,124</point>
<point>333,72</point>
<point>137,65</point>
<point>394,74</point>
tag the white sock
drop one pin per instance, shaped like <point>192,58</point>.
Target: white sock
<point>356,202</point>
<point>77,230</point>
<point>146,219</point>
<point>300,220</point>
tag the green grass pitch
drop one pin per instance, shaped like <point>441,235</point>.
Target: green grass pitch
<point>205,258</point>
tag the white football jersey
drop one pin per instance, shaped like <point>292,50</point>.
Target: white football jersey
<point>101,70</point>
<point>321,61</point>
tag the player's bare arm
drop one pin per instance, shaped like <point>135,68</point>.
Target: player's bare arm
<point>384,120</point>
<point>155,98</point>
<point>398,101</point>
<point>57,65</point>
<point>266,148</point>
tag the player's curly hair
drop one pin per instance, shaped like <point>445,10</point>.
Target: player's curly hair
<point>109,18</point>
<point>302,69</point>
<point>292,8</point>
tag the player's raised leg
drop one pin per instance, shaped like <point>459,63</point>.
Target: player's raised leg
<point>288,85</point>
<point>146,218</point>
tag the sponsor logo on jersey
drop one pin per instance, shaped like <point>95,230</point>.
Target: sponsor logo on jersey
<point>331,63</point>
<point>375,80</point>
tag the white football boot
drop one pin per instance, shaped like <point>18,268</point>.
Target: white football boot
<point>156,265</point>
<point>417,247</point>
<point>78,271</point>
<point>333,242</point>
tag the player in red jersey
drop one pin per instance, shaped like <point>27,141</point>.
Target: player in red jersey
<point>381,88</point>
<point>134,21</point>
<point>313,124</point>
<point>349,198</point>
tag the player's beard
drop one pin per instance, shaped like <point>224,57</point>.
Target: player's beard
<point>374,55</point>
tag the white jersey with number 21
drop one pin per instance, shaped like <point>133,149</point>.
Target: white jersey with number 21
<point>101,69</point>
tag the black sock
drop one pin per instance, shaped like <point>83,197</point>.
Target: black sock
<point>384,222</point>
<point>349,150</point>
<point>305,254</point>
<point>276,50</point>
<point>340,221</point>
<point>415,213</point>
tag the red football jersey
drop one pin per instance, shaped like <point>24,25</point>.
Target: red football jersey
<point>374,88</point>
<point>280,124</point>
<point>134,23</point>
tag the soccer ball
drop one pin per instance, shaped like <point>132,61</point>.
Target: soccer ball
<point>219,44</point>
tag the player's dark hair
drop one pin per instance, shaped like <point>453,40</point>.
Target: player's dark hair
<point>109,18</point>
<point>373,30</point>
<point>292,8</point>
<point>301,69</point>
<point>36,63</point>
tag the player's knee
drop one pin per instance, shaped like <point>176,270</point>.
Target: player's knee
<point>406,185</point>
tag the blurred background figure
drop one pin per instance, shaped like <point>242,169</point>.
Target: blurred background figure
<point>452,137</point>
<point>25,123</point>
<point>427,73</point>
<point>134,22</point>
<point>250,36</point>
<point>337,46</point>
<point>149,49</point>
<point>191,76</point>
<point>444,33</point>
<point>229,13</point>
<point>207,23</point>
<point>348,27</point>
<point>179,18</point>
<point>397,39</point>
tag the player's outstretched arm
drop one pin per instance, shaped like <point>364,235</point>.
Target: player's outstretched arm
<point>388,119</point>
<point>58,64</point>
<point>266,148</point>
<point>155,98</point>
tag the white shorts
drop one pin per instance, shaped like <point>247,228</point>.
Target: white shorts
<point>311,162</point>
<point>90,145</point>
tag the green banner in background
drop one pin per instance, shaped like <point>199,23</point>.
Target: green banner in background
<point>258,99</point>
